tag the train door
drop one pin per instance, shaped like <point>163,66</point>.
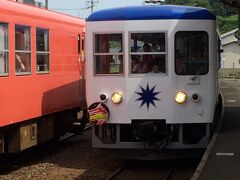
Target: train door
<point>148,75</point>
<point>194,76</point>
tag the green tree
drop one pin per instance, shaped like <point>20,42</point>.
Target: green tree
<point>199,3</point>
<point>227,23</point>
<point>226,16</point>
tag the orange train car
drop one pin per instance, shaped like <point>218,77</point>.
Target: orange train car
<point>41,74</point>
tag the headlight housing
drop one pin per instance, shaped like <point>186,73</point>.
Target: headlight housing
<point>117,97</point>
<point>103,97</point>
<point>180,97</point>
<point>195,97</point>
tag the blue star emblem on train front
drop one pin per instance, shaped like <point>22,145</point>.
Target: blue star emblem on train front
<point>148,96</point>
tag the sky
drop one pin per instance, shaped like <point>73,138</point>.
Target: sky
<point>78,7</point>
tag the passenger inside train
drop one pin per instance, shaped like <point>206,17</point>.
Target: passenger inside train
<point>22,49</point>
<point>189,59</point>
<point>150,47</point>
<point>20,67</point>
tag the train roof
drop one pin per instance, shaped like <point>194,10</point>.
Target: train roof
<point>152,12</point>
<point>15,8</point>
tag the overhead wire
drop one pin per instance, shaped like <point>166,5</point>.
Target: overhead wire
<point>89,4</point>
<point>81,12</point>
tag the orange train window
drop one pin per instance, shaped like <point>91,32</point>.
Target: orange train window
<point>4,50</point>
<point>42,45</point>
<point>83,45</point>
<point>79,43</point>
<point>22,50</point>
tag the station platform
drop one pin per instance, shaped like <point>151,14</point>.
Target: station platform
<point>221,160</point>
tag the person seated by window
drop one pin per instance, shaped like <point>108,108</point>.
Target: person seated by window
<point>197,54</point>
<point>140,66</point>
<point>155,68</point>
<point>181,61</point>
<point>20,67</point>
<point>146,59</point>
<point>199,63</point>
<point>147,47</point>
<point>134,64</point>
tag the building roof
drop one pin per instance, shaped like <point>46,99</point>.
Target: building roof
<point>229,37</point>
<point>152,12</point>
<point>228,33</point>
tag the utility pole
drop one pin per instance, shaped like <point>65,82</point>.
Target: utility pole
<point>92,4</point>
<point>46,4</point>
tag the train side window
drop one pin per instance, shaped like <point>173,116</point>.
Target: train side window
<point>191,53</point>
<point>4,50</point>
<point>148,53</point>
<point>42,50</point>
<point>79,44</point>
<point>108,54</point>
<point>83,47</point>
<point>22,50</point>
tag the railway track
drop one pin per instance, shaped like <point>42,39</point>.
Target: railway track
<point>162,170</point>
<point>73,158</point>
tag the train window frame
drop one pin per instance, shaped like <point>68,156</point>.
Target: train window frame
<point>175,48</point>
<point>41,52</point>
<point>165,53</point>
<point>27,50</point>
<point>83,38</point>
<point>79,44</point>
<point>5,50</point>
<point>109,54</point>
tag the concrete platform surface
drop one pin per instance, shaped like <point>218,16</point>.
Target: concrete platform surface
<point>222,158</point>
<point>223,162</point>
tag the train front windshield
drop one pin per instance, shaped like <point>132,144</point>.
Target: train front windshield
<point>108,54</point>
<point>191,53</point>
<point>148,53</point>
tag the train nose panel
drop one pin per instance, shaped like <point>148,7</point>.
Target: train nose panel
<point>149,131</point>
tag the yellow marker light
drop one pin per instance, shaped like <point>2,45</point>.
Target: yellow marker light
<point>180,97</point>
<point>117,97</point>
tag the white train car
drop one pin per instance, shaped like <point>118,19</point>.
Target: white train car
<point>151,76</point>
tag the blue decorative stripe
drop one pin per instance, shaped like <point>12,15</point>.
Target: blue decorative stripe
<point>152,12</point>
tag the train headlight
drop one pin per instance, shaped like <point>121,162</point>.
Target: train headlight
<point>117,97</point>
<point>180,97</point>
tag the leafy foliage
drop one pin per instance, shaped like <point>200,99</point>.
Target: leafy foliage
<point>226,16</point>
<point>227,23</point>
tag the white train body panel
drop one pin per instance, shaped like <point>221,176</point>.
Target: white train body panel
<point>167,84</point>
<point>148,111</point>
